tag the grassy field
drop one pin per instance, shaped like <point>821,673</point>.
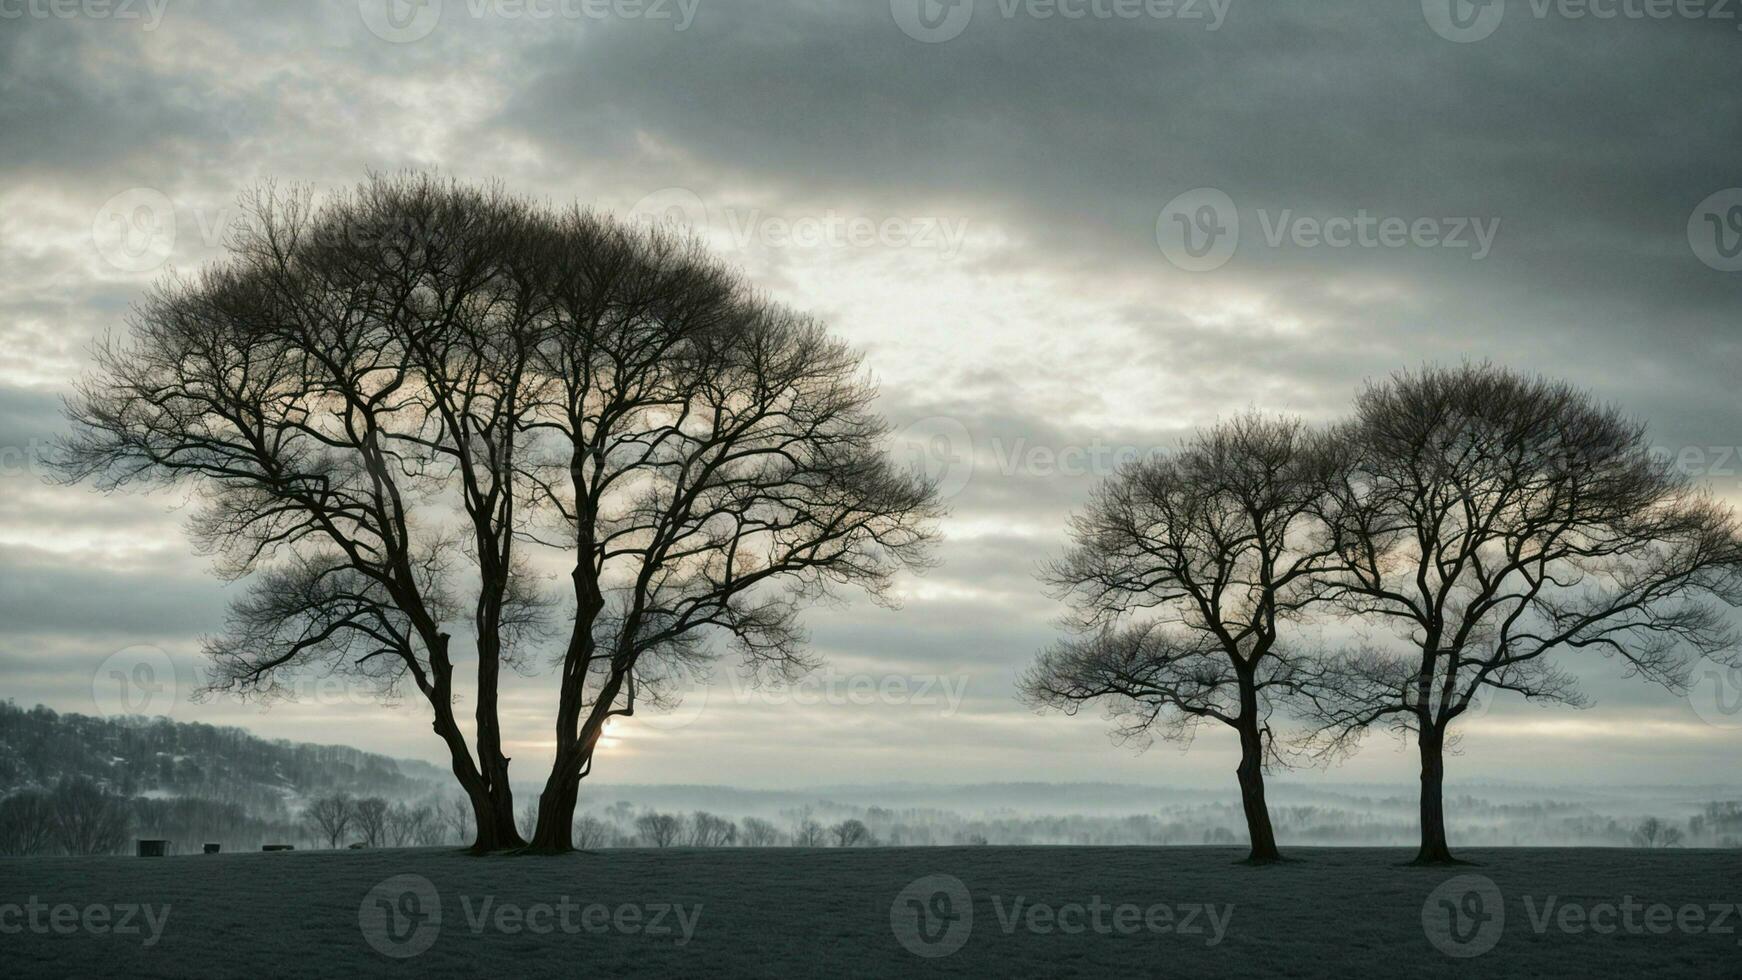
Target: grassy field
<point>987,911</point>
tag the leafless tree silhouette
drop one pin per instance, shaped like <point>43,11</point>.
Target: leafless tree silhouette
<point>349,377</point>
<point>1183,575</point>
<point>331,816</point>
<point>717,468</point>
<point>1495,520</point>
<point>385,401</point>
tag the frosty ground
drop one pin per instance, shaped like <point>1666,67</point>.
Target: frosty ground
<point>982,911</point>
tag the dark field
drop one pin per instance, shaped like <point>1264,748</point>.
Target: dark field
<point>1090,912</point>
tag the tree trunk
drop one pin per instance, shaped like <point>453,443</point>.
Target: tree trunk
<point>1251,774</point>
<point>1433,812</point>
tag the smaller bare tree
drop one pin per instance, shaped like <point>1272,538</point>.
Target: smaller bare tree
<point>89,819</point>
<point>370,818</point>
<point>658,829</point>
<point>330,816</point>
<point>759,832</point>
<point>1653,832</point>
<point>591,832</point>
<point>850,833</point>
<point>27,824</point>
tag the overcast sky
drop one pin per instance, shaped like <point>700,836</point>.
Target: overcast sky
<point>1058,240</point>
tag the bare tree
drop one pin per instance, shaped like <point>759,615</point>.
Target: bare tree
<point>806,830</point>
<point>87,818</point>
<point>27,823</point>
<point>1183,574</point>
<point>347,379</point>
<point>591,832</point>
<point>455,817</point>
<point>659,829</point>
<point>717,468</point>
<point>1495,520</point>
<point>851,833</point>
<point>708,830</point>
<point>381,400</point>
<point>759,832</point>
<point>370,816</point>
<point>409,825</point>
<point>330,816</point>
<point>1653,832</point>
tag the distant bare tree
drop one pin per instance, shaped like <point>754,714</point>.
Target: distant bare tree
<point>1653,832</point>
<point>658,829</point>
<point>1495,520</point>
<point>1183,576</point>
<point>455,816</point>
<point>850,833</point>
<point>408,824</point>
<point>370,817</point>
<point>759,832</point>
<point>591,832</point>
<point>806,830</point>
<point>708,830</point>
<point>87,818</point>
<point>27,823</point>
<point>330,816</point>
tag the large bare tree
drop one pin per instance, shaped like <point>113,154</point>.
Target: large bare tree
<point>714,467</point>
<point>390,403</point>
<point>345,392</point>
<point>1184,576</point>
<point>1495,520</point>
